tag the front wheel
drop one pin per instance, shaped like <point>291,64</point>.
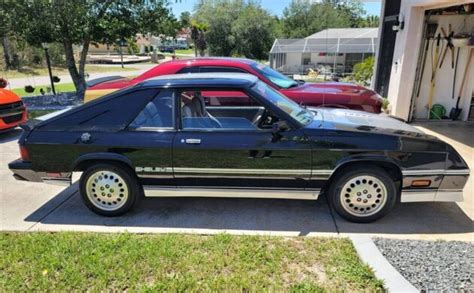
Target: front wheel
<point>108,189</point>
<point>363,195</point>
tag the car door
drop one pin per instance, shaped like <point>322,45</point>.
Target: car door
<point>150,137</point>
<point>237,154</point>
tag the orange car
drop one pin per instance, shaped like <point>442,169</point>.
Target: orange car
<point>12,110</point>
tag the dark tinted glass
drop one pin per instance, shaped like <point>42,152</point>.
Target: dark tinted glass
<point>157,113</point>
<point>188,70</point>
<point>221,69</point>
<point>113,112</point>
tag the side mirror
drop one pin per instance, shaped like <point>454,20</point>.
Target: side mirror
<point>277,128</point>
<point>280,126</point>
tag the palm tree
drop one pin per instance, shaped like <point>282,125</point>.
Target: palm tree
<point>198,35</point>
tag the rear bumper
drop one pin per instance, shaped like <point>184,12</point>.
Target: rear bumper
<point>23,171</point>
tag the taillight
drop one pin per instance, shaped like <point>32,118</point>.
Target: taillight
<point>24,154</point>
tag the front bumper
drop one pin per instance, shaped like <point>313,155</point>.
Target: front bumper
<point>12,120</point>
<point>431,195</point>
<point>12,115</point>
<point>446,185</point>
<point>23,171</point>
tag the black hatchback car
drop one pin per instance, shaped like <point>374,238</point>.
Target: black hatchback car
<point>168,136</point>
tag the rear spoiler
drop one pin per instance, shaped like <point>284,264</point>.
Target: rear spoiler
<point>28,126</point>
<point>97,81</point>
<point>31,123</point>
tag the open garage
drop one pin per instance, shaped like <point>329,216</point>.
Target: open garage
<point>424,64</point>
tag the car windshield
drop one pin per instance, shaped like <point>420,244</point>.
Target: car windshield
<point>299,113</point>
<point>274,76</point>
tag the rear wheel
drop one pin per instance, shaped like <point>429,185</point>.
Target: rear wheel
<point>108,189</point>
<point>363,195</point>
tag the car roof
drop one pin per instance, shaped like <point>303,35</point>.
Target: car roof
<point>202,79</point>
<point>219,60</point>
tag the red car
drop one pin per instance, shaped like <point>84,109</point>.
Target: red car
<point>328,94</point>
<point>12,110</point>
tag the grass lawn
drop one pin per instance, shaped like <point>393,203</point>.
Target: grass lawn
<point>179,52</point>
<point>174,262</point>
<point>184,51</point>
<point>60,88</point>
<point>30,72</point>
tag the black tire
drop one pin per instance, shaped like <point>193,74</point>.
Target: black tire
<point>356,194</point>
<point>117,198</point>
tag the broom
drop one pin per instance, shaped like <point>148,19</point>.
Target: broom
<point>455,112</point>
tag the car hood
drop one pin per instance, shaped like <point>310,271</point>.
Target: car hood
<point>111,83</point>
<point>331,88</point>
<point>352,120</point>
<point>7,97</point>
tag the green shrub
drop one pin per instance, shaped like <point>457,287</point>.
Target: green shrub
<point>362,72</point>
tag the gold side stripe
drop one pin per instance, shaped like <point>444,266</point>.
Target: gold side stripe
<point>242,171</point>
<point>180,170</point>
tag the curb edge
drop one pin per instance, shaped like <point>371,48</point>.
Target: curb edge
<point>371,255</point>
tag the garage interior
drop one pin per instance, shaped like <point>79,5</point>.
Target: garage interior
<point>444,78</point>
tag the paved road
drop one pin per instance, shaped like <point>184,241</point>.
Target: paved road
<point>39,207</point>
<point>44,80</point>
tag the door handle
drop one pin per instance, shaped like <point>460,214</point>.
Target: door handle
<point>193,141</point>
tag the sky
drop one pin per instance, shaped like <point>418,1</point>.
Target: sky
<point>372,7</point>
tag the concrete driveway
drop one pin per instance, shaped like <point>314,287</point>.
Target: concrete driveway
<point>39,207</point>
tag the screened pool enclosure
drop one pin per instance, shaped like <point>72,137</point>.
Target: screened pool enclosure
<point>328,51</point>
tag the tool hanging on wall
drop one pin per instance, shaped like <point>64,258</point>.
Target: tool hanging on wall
<point>455,72</point>
<point>434,66</point>
<point>456,112</point>
<point>430,33</point>
<point>448,37</point>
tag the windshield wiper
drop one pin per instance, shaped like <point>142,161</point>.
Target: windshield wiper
<point>293,84</point>
<point>301,112</point>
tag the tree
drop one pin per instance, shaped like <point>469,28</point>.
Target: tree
<point>198,31</point>
<point>254,32</point>
<point>304,17</point>
<point>185,19</point>
<point>236,27</point>
<point>218,16</point>
<point>370,21</point>
<point>83,22</point>
<point>6,18</point>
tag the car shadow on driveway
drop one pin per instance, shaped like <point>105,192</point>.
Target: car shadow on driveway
<point>415,218</point>
<point>190,214</point>
<point>245,216</point>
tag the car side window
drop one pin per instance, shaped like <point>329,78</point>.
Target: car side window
<point>207,69</point>
<point>197,114</point>
<point>194,69</point>
<point>158,113</point>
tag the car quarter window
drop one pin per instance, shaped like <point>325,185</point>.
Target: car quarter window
<point>112,112</point>
<point>200,111</point>
<point>207,69</point>
<point>158,113</point>
<point>194,69</point>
